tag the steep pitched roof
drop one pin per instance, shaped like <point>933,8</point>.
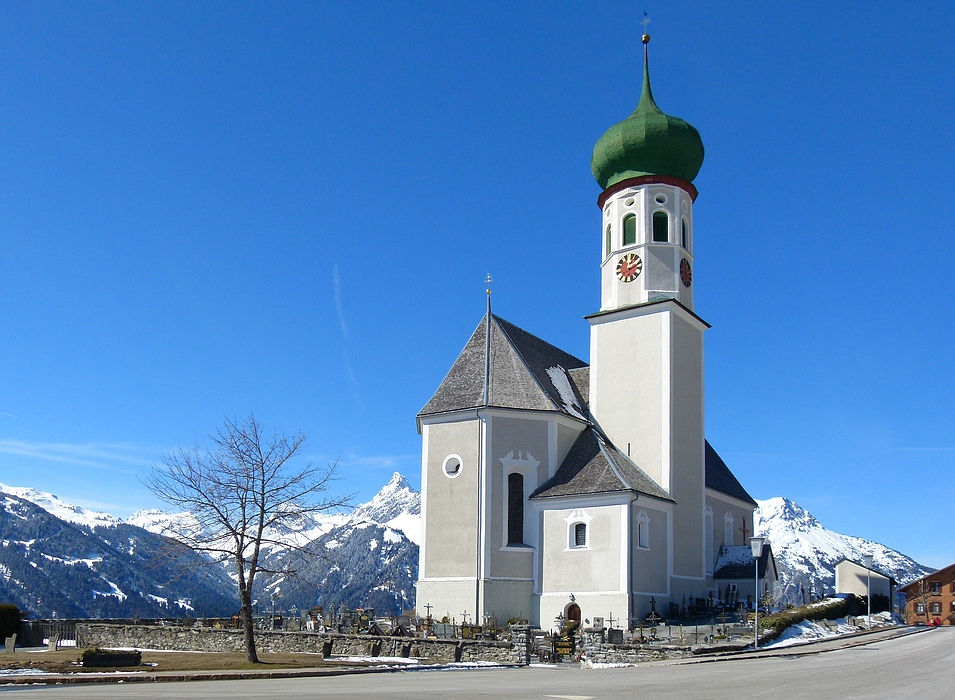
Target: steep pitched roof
<point>720,478</point>
<point>593,466</point>
<point>525,372</point>
<point>737,562</point>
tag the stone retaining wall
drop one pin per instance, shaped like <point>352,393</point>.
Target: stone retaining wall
<point>231,640</point>
<point>596,650</point>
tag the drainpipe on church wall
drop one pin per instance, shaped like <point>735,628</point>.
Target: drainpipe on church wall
<point>480,565</point>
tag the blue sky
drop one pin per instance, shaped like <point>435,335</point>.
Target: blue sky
<point>208,209</point>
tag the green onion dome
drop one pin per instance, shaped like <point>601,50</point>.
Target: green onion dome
<point>648,142</point>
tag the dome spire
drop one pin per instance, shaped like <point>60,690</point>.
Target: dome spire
<point>648,142</point>
<point>646,95</point>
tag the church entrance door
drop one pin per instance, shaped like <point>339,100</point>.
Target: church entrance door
<point>573,613</point>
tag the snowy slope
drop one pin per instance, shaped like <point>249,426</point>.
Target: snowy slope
<point>397,506</point>
<point>806,552</point>
<point>62,510</point>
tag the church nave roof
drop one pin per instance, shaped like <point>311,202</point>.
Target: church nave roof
<point>525,373</point>
<point>720,478</point>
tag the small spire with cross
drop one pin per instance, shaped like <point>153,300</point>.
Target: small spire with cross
<point>487,282</point>
<point>645,22</point>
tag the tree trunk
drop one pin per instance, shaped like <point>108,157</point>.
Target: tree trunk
<point>248,629</point>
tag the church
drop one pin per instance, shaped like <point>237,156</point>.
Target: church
<point>553,489</point>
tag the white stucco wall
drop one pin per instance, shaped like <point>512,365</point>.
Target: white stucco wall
<point>851,578</point>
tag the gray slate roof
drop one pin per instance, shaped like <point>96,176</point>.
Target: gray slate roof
<point>593,466</point>
<point>519,374</point>
<point>737,562</point>
<point>720,478</point>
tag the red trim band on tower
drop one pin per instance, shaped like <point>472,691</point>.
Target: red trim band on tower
<point>646,180</point>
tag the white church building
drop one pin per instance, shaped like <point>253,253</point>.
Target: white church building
<point>551,487</point>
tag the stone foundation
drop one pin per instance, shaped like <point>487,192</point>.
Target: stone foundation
<point>230,640</point>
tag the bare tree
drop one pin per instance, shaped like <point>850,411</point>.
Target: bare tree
<point>246,497</point>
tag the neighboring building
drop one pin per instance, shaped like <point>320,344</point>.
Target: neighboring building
<point>551,487</point>
<point>853,577</point>
<point>931,597</point>
<point>735,575</point>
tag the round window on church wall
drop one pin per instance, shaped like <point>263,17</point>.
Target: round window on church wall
<point>660,199</point>
<point>452,466</point>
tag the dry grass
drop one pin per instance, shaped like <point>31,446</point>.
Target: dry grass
<point>68,661</point>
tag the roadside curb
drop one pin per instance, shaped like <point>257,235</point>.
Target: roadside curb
<point>846,641</point>
<point>173,676</point>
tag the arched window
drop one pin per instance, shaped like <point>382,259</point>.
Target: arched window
<point>609,241</point>
<point>686,235</point>
<point>629,229</point>
<point>580,535</point>
<point>515,508</point>
<point>661,227</point>
<point>728,530</point>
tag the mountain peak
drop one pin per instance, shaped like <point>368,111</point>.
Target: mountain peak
<point>397,506</point>
<point>62,510</point>
<point>784,510</point>
<point>807,552</point>
<point>397,482</point>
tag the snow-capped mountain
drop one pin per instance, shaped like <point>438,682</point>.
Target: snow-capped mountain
<point>369,557</point>
<point>62,510</point>
<point>806,552</point>
<point>51,566</point>
<point>396,506</point>
<point>77,562</point>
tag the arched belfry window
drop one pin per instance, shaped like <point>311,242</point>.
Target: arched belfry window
<point>686,235</point>
<point>515,508</point>
<point>728,530</point>
<point>609,241</point>
<point>661,227</point>
<point>629,229</point>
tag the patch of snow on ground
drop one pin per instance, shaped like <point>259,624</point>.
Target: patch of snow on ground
<point>809,631</point>
<point>25,672</point>
<point>378,659</point>
<point>587,663</point>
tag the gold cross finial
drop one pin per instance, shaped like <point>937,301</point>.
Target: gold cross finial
<point>645,22</point>
<point>487,281</point>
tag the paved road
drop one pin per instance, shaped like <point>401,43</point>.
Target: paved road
<point>919,665</point>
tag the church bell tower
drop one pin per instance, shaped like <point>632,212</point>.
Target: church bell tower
<point>646,376</point>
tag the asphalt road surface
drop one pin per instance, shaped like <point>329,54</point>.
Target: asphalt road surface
<point>915,666</point>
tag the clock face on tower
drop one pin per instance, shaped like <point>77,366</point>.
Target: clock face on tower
<point>686,273</point>
<point>629,267</point>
